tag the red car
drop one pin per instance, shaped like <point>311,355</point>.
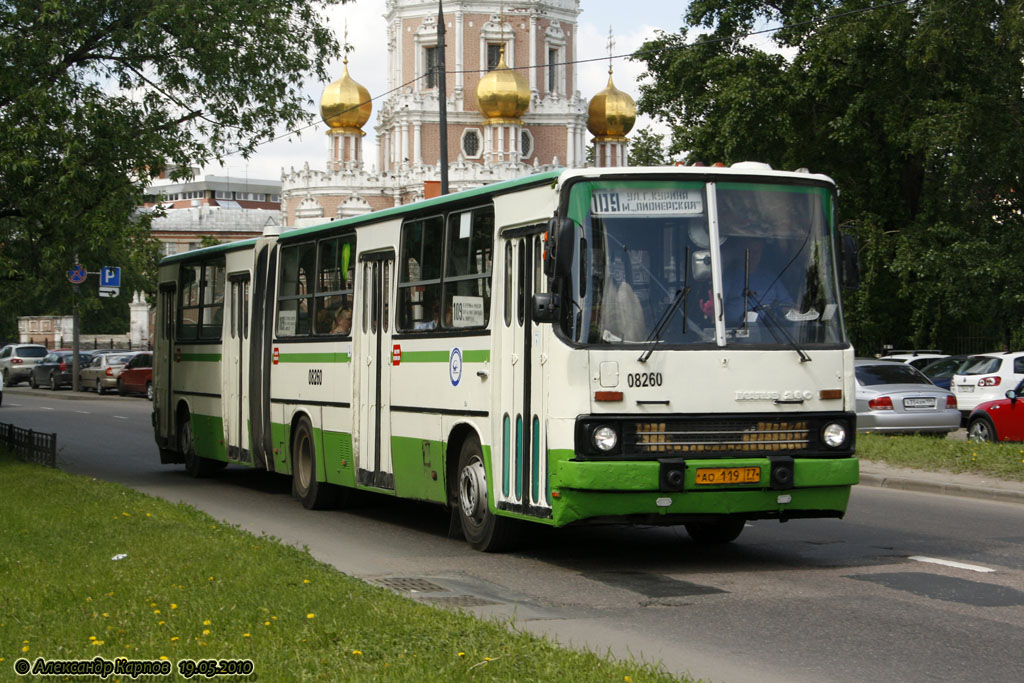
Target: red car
<point>137,376</point>
<point>1000,420</point>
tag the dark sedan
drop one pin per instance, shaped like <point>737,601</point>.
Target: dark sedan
<point>55,370</point>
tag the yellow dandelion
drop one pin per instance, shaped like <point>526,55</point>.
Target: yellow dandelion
<point>174,638</point>
<point>266,623</point>
<point>174,606</point>
<point>156,611</point>
<point>305,581</point>
<point>310,615</point>
<point>210,579</point>
<point>163,657</point>
<point>462,654</point>
<point>357,652</point>
<point>106,614</point>
<point>25,648</point>
<point>160,623</point>
<point>148,515</point>
<point>627,679</point>
<point>152,604</point>
<point>274,618</point>
<point>126,514</point>
<point>206,631</point>
<point>206,622</point>
<point>110,594</point>
<point>245,635</point>
<point>487,659</point>
<point>92,637</point>
<point>97,642</point>
<point>88,599</point>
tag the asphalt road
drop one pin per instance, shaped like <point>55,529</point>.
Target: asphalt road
<point>869,598</point>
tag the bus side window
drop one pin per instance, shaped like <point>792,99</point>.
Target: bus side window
<point>419,275</point>
<point>508,283</point>
<point>468,265</point>
<point>294,310</point>
<point>188,327</point>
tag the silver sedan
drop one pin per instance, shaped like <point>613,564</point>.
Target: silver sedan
<point>894,397</point>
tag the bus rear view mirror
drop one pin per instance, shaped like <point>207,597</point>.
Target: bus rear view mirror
<point>849,261</point>
<point>544,308</point>
<point>561,245</point>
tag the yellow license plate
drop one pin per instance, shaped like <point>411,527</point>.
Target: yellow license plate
<point>728,475</point>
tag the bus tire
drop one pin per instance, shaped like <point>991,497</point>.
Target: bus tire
<point>483,530</point>
<point>195,466</point>
<point>315,495</point>
<point>715,532</point>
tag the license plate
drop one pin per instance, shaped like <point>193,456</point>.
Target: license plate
<point>728,475</point>
<point>919,403</point>
<point>966,388</point>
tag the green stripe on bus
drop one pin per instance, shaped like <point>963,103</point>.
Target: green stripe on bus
<point>201,357</point>
<point>314,358</point>
<point>468,356</point>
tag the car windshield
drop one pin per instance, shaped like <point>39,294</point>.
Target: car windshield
<point>119,360</point>
<point>943,368</point>
<point>980,365</point>
<point>647,270</point>
<point>895,373</point>
<point>31,352</point>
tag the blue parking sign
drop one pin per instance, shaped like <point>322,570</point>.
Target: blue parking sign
<point>110,276</point>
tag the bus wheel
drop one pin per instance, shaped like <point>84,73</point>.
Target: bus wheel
<point>315,495</point>
<point>194,465</point>
<point>483,530</point>
<point>718,531</point>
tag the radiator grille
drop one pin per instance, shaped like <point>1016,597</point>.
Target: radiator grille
<point>719,436</point>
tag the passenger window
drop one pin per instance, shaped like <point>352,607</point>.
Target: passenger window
<point>419,275</point>
<point>508,283</point>
<point>202,300</point>
<point>468,261</point>
<point>294,315</point>
<point>334,285</point>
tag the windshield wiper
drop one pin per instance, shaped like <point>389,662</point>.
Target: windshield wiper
<point>775,326</point>
<point>655,336</point>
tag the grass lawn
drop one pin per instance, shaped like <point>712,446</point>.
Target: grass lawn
<point>1002,460</point>
<point>93,569</point>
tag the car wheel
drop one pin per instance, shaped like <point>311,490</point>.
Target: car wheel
<point>31,381</point>
<point>483,529</point>
<point>99,386</point>
<point>981,429</point>
<point>716,532</point>
<point>149,390</point>
<point>54,385</point>
<point>120,387</point>
<point>315,495</point>
<point>7,377</point>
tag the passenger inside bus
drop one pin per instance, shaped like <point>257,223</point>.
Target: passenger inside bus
<point>622,315</point>
<point>342,322</point>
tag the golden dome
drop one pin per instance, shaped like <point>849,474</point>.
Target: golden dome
<point>345,105</point>
<point>611,114</point>
<point>502,94</point>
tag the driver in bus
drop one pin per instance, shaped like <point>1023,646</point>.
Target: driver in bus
<point>752,281</point>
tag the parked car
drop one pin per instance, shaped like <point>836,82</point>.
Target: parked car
<point>16,361</point>
<point>56,369</point>
<point>940,371</point>
<point>916,357</point>
<point>895,397</point>
<point>137,376</point>
<point>986,378</point>
<point>101,374</point>
<point>999,420</point>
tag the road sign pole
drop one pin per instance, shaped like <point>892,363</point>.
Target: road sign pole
<point>75,365</point>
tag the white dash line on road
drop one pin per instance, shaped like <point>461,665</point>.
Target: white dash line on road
<point>83,412</point>
<point>951,563</point>
<point>46,408</point>
<point>119,417</point>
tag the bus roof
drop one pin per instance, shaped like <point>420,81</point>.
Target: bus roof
<point>559,177</point>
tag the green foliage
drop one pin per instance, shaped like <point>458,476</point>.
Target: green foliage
<point>915,109</point>
<point>647,149</point>
<point>95,95</point>
<point>1001,460</point>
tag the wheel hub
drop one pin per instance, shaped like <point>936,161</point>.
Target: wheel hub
<point>473,489</point>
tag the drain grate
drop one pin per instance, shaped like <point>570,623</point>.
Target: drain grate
<point>459,601</point>
<point>409,585</point>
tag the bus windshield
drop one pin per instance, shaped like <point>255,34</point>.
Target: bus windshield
<point>652,268</point>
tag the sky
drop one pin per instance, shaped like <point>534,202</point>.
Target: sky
<point>366,32</point>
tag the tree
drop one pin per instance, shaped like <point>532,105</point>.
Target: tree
<point>98,95</point>
<point>647,149</point>
<point>916,109</point>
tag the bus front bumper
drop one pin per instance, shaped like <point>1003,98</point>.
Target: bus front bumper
<point>647,492</point>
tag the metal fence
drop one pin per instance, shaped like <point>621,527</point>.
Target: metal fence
<point>30,446</point>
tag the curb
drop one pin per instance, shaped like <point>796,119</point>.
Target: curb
<point>924,486</point>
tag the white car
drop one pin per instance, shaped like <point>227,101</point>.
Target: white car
<point>986,378</point>
<point>918,359</point>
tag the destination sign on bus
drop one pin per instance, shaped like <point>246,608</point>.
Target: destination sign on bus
<point>638,202</point>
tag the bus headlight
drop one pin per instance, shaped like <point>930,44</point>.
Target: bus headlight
<point>605,438</point>
<point>834,434</point>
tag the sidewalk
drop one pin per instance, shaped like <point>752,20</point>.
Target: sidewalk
<point>949,483</point>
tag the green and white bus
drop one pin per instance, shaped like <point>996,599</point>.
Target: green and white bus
<point>649,345</point>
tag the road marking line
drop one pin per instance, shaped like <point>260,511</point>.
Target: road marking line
<point>83,412</point>
<point>951,563</point>
<point>120,417</point>
<point>46,408</point>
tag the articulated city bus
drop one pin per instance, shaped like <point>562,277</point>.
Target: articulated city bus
<point>648,345</point>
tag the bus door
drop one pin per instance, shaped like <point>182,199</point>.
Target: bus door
<point>163,361</point>
<point>236,357</point>
<point>522,449</point>
<point>373,442</point>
